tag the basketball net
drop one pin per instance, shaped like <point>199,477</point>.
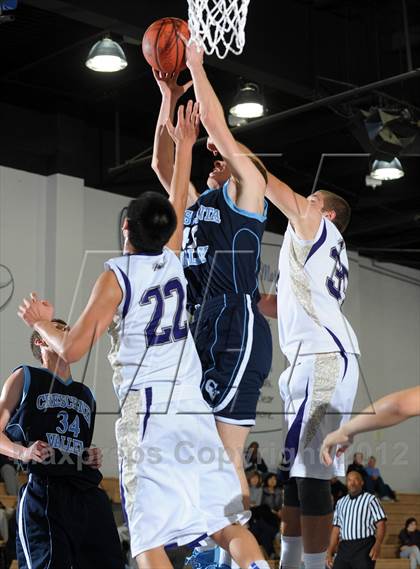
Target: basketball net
<point>218,26</point>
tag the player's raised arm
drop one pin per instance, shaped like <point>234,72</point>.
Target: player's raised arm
<point>184,134</point>
<point>294,206</point>
<point>163,147</point>
<point>72,345</point>
<point>251,182</point>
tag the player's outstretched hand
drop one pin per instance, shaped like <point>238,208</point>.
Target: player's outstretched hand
<point>336,439</point>
<point>38,452</point>
<point>168,84</point>
<point>187,126</point>
<point>194,53</point>
<point>93,457</point>
<point>33,310</point>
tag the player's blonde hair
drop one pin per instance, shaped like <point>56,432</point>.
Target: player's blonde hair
<point>333,202</point>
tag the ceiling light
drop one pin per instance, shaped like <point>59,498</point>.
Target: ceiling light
<point>248,103</point>
<point>236,121</point>
<point>106,56</point>
<point>383,170</point>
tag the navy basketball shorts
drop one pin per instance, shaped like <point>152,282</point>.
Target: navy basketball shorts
<point>234,343</point>
<point>63,527</point>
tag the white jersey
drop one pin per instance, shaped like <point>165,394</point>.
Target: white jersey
<point>151,341</point>
<point>313,277</point>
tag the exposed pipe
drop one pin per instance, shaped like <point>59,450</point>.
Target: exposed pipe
<point>407,36</point>
<point>52,55</point>
<point>332,99</point>
<point>385,96</point>
<point>117,137</point>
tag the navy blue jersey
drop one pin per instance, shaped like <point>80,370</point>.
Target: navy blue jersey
<point>61,414</point>
<point>221,248</point>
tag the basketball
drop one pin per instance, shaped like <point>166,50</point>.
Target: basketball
<point>162,47</point>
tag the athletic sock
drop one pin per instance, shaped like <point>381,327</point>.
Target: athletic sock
<point>262,564</point>
<point>291,552</point>
<point>314,560</point>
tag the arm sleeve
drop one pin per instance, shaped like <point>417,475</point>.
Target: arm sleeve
<point>337,517</point>
<point>377,511</point>
<point>124,282</point>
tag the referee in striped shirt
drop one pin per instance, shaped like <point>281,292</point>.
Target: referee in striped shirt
<point>358,528</point>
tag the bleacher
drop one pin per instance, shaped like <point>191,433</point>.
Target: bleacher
<point>408,505</point>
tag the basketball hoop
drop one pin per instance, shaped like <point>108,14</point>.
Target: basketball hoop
<point>218,26</point>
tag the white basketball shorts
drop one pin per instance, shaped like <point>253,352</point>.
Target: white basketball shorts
<point>318,394</point>
<point>177,484</point>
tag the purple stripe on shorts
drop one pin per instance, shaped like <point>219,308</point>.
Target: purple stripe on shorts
<point>148,393</point>
<point>341,348</point>
<point>124,511</point>
<point>292,440</point>
<point>194,543</point>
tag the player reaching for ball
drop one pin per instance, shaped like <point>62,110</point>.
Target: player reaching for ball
<point>319,387</point>
<point>221,257</point>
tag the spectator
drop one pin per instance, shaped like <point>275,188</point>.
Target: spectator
<point>265,521</point>
<point>358,528</point>
<point>9,475</point>
<point>255,490</point>
<point>410,543</point>
<point>358,466</point>
<point>338,489</point>
<point>272,494</point>
<point>254,460</point>
<point>384,491</point>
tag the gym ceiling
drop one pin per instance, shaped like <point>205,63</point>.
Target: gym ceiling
<point>58,116</point>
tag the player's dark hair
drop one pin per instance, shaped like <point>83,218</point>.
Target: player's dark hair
<point>36,337</point>
<point>332,202</point>
<point>151,222</point>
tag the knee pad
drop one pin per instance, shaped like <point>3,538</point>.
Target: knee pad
<point>314,496</point>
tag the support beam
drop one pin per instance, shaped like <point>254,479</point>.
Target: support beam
<point>405,238</point>
<point>302,109</point>
<point>367,226</point>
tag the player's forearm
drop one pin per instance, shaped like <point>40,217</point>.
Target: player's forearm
<point>278,192</point>
<point>179,190</point>
<point>163,146</point>
<point>390,410</point>
<point>9,448</point>
<point>64,344</point>
<point>284,198</point>
<point>211,111</point>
